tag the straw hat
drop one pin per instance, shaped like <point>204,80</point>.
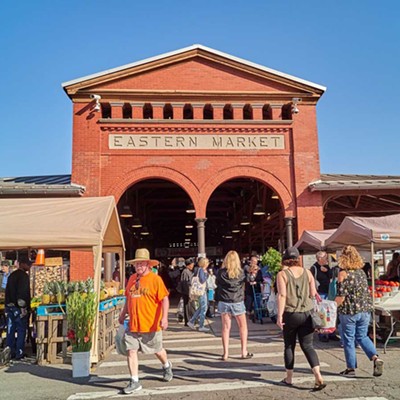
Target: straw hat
<point>143,255</point>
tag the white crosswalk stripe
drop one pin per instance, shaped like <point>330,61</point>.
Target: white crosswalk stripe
<point>197,368</point>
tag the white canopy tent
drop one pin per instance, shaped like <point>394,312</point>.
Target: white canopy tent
<point>311,241</point>
<point>374,233</point>
<point>84,224</point>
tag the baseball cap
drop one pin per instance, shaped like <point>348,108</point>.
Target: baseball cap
<point>291,253</point>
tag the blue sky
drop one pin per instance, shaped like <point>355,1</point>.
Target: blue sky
<point>350,46</point>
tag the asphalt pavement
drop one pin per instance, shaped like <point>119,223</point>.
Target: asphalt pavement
<point>199,373</point>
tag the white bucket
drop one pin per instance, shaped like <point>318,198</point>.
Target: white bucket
<point>80,364</point>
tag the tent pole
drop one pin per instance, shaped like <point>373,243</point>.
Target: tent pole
<point>373,293</point>
<point>97,254</point>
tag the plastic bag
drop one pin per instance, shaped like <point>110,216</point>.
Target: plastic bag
<point>327,311</point>
<point>272,305</point>
<point>120,343</point>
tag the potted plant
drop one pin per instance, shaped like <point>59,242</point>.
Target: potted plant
<point>81,315</point>
<point>272,259</point>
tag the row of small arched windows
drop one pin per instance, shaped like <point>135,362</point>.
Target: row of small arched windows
<point>208,111</point>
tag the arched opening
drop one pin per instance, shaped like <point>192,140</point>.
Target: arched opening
<point>247,111</point>
<point>267,112</point>
<point>105,110</point>
<point>287,111</point>
<point>246,215</point>
<point>168,112</point>
<point>147,111</point>
<point>188,111</point>
<point>158,220</point>
<point>208,112</point>
<point>228,112</point>
<point>127,111</point>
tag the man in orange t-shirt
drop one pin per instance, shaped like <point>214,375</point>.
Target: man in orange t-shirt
<point>147,305</point>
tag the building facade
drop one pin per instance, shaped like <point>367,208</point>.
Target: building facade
<point>199,118</point>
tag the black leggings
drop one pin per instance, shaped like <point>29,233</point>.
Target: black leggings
<point>298,325</point>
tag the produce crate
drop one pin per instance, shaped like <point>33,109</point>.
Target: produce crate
<point>119,300</point>
<point>51,339</point>
<point>108,325</point>
<point>106,304</point>
<point>51,309</point>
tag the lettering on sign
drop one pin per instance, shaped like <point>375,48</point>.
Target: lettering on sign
<point>196,142</point>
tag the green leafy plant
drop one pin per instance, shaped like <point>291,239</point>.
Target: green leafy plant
<point>81,315</point>
<point>272,259</point>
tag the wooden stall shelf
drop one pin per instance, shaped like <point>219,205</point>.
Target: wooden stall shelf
<point>51,339</point>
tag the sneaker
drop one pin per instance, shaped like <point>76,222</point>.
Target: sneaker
<point>167,373</point>
<point>378,367</point>
<point>132,387</point>
<point>348,372</point>
<point>204,329</point>
<point>5,356</point>
<point>191,326</point>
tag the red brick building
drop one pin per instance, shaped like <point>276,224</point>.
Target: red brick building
<point>199,118</point>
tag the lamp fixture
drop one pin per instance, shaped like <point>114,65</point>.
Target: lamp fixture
<point>187,239</point>
<point>295,100</point>
<point>97,105</point>
<point>235,229</point>
<point>190,209</point>
<point>228,236</point>
<point>245,220</point>
<point>274,196</point>
<point>126,212</point>
<point>189,225</point>
<point>145,231</point>
<point>188,233</point>
<point>136,223</point>
<point>259,210</point>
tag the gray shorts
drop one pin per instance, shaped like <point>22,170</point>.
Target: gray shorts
<point>234,309</point>
<point>147,343</point>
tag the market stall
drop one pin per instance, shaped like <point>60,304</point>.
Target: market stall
<point>372,233</point>
<point>311,241</point>
<point>85,224</point>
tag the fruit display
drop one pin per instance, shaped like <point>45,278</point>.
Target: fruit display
<point>40,276</point>
<point>384,289</point>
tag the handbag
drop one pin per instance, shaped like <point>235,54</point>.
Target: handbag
<point>197,288</point>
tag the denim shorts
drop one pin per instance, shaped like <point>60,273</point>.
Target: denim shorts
<point>231,308</point>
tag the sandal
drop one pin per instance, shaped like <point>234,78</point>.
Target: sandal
<point>319,386</point>
<point>348,372</point>
<point>283,381</point>
<point>247,356</point>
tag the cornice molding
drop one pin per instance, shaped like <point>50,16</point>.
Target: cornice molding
<point>192,129</point>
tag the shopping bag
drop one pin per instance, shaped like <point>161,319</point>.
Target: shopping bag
<point>120,343</point>
<point>197,288</point>
<point>272,305</point>
<point>327,311</point>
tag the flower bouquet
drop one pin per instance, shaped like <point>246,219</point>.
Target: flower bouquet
<point>81,316</point>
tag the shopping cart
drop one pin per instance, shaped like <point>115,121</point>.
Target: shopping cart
<point>260,306</point>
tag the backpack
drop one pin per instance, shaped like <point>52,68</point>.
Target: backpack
<point>197,288</point>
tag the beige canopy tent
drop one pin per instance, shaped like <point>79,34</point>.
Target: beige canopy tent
<point>372,233</point>
<point>311,241</point>
<point>84,224</point>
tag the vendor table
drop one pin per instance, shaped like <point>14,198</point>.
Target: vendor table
<point>387,307</point>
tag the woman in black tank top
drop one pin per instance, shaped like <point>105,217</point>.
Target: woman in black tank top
<point>296,287</point>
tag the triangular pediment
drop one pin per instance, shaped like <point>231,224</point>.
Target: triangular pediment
<point>192,70</point>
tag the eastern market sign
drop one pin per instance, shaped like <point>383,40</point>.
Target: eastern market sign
<point>196,142</point>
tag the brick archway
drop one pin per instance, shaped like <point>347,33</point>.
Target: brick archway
<point>169,174</point>
<point>259,174</point>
